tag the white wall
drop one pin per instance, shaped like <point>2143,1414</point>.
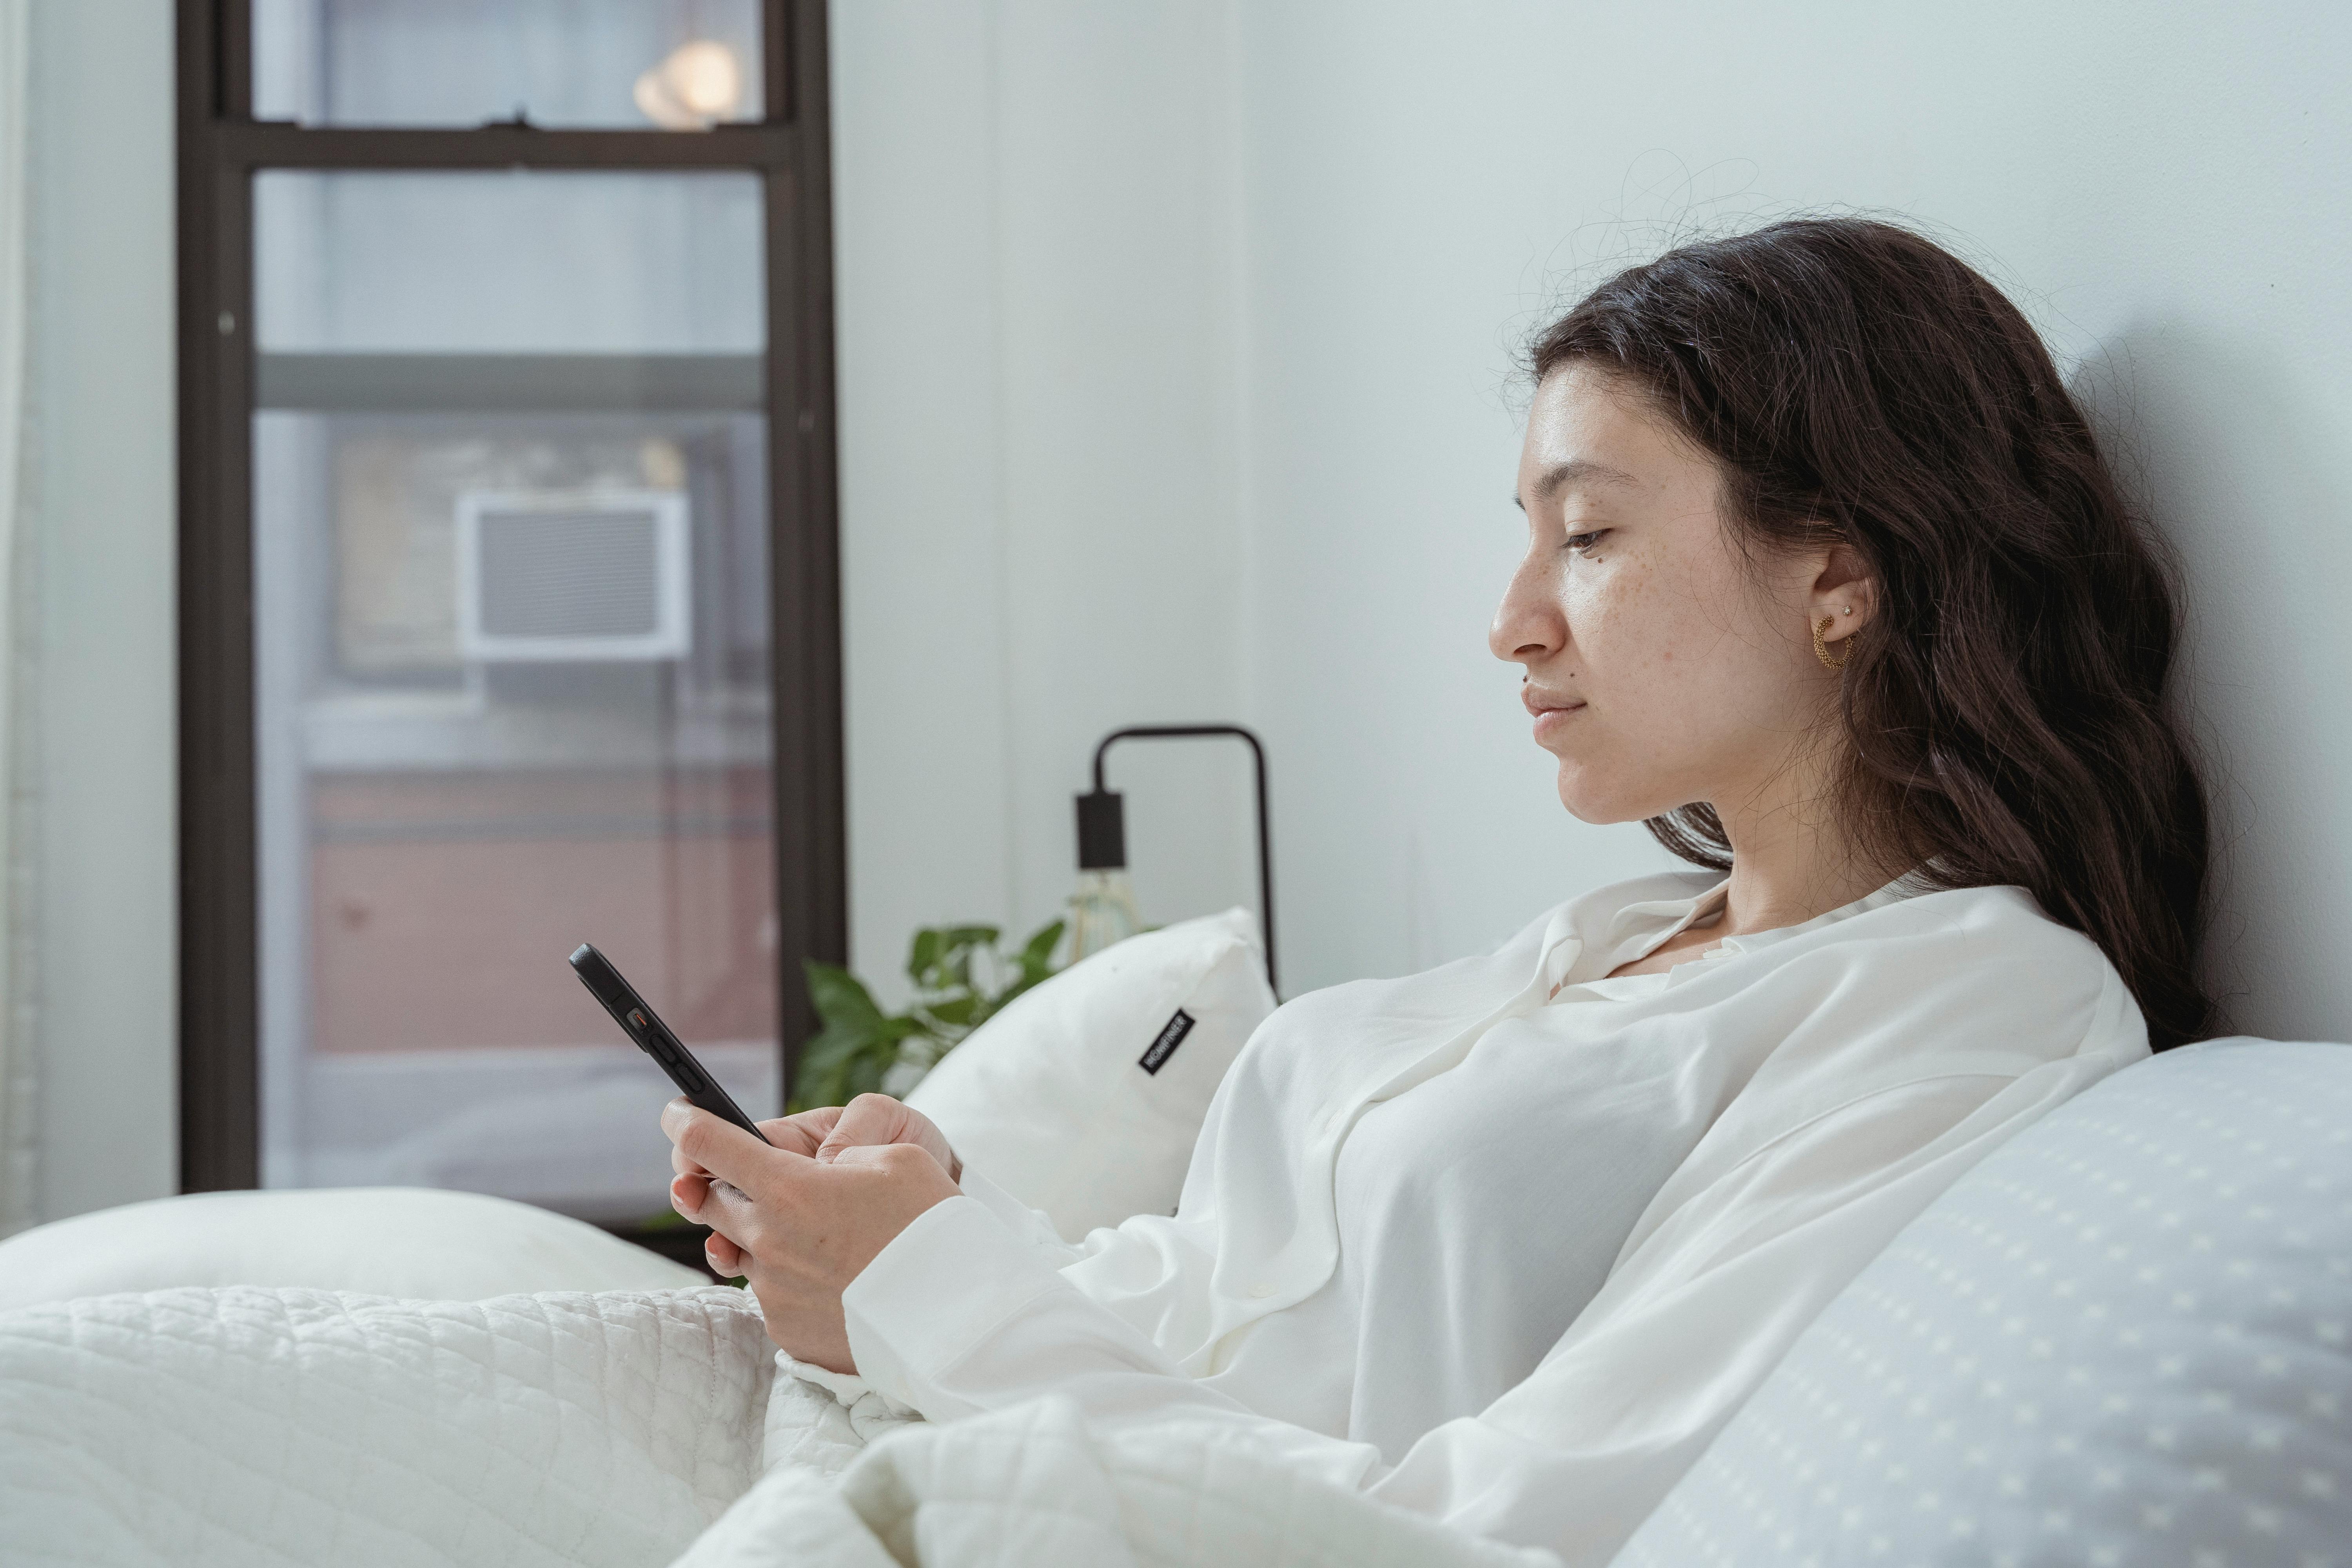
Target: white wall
<point>102,451</point>
<point>2162,186</point>
<point>1037,273</point>
<point>1041,207</point>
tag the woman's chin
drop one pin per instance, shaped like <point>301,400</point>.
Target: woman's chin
<point>1583,807</point>
<point>1588,802</point>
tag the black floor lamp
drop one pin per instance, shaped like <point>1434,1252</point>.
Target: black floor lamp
<point>1102,827</point>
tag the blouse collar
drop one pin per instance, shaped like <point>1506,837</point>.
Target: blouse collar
<point>1638,930</point>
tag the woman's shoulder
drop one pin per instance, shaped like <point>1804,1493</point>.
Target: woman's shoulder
<point>1997,926</point>
<point>1982,978</point>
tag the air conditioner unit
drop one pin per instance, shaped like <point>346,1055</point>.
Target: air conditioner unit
<point>559,576</point>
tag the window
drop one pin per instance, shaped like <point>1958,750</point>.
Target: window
<point>508,590</point>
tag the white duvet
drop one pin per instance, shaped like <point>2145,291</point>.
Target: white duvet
<point>275,1427</point>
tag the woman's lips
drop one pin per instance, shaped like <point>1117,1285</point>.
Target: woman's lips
<point>1551,711</point>
<point>1550,721</point>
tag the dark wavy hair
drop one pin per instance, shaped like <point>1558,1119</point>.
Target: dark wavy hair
<point>2006,711</point>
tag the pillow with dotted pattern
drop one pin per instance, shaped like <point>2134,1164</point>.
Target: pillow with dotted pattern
<point>2121,1339</point>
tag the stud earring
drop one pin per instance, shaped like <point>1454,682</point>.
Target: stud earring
<point>1821,650</point>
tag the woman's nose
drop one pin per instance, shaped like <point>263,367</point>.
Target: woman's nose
<point>1527,625</point>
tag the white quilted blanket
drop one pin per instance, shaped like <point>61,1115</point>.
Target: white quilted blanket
<point>277,1427</point>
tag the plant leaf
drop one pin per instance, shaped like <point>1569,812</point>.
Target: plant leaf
<point>922,953</point>
<point>864,1074</point>
<point>856,1035</point>
<point>836,1070</point>
<point>860,1044</point>
<point>955,1012</point>
<point>827,1051</point>
<point>1037,955</point>
<point>839,997</point>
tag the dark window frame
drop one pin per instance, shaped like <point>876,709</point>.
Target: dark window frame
<point>221,148</point>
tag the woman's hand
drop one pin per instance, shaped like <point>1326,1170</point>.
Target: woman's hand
<point>799,1228</point>
<point>876,1118</point>
<point>821,1134</point>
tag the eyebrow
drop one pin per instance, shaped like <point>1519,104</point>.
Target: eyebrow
<point>1575,471</point>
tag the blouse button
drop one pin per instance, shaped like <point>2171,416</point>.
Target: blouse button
<point>1261,1291</point>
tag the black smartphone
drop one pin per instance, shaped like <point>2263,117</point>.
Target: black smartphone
<point>643,1025</point>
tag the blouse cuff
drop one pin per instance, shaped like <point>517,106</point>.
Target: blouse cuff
<point>1026,1224</point>
<point>940,1285</point>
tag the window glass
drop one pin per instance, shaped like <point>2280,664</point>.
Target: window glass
<point>509,262</point>
<point>512,670</point>
<point>669,64</point>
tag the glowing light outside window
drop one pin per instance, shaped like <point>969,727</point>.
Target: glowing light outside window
<point>700,84</point>
<point>681,65</point>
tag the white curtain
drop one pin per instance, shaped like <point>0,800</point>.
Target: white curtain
<point>17,1042</point>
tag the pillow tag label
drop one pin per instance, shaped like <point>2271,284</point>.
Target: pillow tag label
<point>1152,1060</point>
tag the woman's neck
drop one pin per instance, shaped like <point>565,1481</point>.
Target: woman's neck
<point>1791,856</point>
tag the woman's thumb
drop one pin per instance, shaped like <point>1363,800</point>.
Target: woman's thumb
<point>868,1119</point>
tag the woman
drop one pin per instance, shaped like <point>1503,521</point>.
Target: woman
<point>1827,582</point>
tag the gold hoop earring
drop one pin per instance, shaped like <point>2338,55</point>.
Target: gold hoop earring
<point>1821,650</point>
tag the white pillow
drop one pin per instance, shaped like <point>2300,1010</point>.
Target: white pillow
<point>1084,1098</point>
<point>378,1241</point>
<point>2126,1337</point>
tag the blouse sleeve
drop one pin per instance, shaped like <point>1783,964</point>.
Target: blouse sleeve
<point>961,1314</point>
<point>958,1315</point>
<point>1029,1226</point>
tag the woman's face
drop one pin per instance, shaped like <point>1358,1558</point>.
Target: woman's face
<point>1665,665</point>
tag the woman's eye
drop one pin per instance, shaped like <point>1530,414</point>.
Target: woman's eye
<point>1583,543</point>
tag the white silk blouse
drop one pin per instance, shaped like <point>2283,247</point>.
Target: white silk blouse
<point>1507,1243</point>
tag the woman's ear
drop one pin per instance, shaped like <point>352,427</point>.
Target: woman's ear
<point>1843,593</point>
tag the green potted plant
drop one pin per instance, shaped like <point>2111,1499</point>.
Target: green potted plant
<point>961,976</point>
